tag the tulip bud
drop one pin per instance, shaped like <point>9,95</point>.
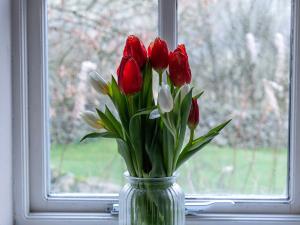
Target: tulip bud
<point>98,83</point>
<point>130,79</point>
<point>158,54</point>
<point>184,90</point>
<point>154,114</point>
<point>165,99</point>
<point>91,119</point>
<point>136,49</point>
<point>179,68</point>
<point>194,115</point>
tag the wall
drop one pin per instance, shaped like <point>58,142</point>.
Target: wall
<point>6,215</point>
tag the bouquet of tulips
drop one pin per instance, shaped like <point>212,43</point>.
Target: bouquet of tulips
<point>150,132</point>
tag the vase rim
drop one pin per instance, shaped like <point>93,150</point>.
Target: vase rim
<point>156,179</point>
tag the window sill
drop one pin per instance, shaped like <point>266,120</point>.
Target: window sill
<point>205,219</point>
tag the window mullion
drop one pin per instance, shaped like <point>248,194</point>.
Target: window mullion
<point>167,21</point>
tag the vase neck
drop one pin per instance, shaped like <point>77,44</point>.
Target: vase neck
<point>158,183</point>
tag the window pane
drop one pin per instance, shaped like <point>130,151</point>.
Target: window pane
<point>239,52</point>
<point>84,36</point>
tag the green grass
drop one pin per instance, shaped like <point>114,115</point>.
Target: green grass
<point>214,170</point>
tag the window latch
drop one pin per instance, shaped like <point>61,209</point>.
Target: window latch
<point>115,209</point>
<point>196,208</point>
<point>191,208</point>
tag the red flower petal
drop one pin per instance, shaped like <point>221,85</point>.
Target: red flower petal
<point>179,68</point>
<point>130,78</point>
<point>158,53</point>
<point>194,115</point>
<point>136,49</point>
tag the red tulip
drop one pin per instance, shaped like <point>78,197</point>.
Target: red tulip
<point>136,49</point>
<point>193,120</point>
<point>158,53</point>
<point>130,79</point>
<point>181,48</point>
<point>179,68</point>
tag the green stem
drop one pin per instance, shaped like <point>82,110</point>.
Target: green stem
<point>171,126</point>
<point>191,135</point>
<point>130,105</point>
<point>160,77</point>
<point>152,208</point>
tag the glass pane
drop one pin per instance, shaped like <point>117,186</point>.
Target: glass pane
<point>85,36</point>
<point>239,52</point>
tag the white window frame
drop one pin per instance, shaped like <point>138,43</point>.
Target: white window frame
<point>33,205</point>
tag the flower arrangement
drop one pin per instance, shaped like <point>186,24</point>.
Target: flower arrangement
<point>150,132</point>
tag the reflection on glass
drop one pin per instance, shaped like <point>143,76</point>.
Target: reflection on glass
<point>239,55</point>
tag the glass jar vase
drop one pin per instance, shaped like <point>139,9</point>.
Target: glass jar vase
<point>151,201</point>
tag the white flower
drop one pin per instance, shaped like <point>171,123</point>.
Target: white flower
<point>154,114</point>
<point>184,90</point>
<point>98,83</point>
<point>91,119</point>
<point>165,99</point>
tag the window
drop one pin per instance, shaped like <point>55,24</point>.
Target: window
<point>230,45</point>
<point>84,36</point>
<point>240,56</point>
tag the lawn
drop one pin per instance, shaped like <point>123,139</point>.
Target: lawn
<point>215,170</point>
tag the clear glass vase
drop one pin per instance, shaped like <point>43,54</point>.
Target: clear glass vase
<point>151,201</point>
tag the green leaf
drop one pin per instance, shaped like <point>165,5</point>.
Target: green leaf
<point>210,135</point>
<point>136,136</point>
<point>107,123</point>
<point>135,133</point>
<point>116,124</point>
<point>141,112</point>
<point>126,154</point>
<point>219,127</point>
<point>97,135</point>
<point>168,150</point>
<point>198,95</point>
<point>119,101</point>
<point>184,115</point>
<point>199,143</point>
<point>156,157</point>
<point>146,95</point>
<point>169,82</point>
<point>168,124</point>
<point>183,157</point>
<point>153,149</point>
